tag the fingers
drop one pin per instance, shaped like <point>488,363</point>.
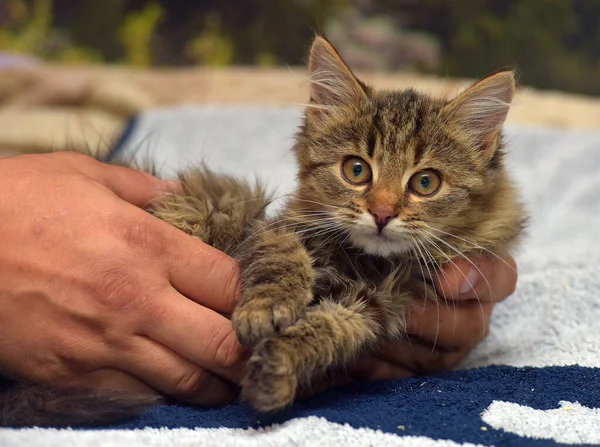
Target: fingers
<point>136,187</point>
<point>172,375</point>
<point>376,368</point>
<point>450,325</point>
<point>198,271</point>
<point>418,357</point>
<point>401,359</point>
<point>484,278</point>
<point>200,335</point>
<point>443,332</point>
<point>203,273</point>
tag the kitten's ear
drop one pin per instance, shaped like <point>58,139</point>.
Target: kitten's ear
<point>480,111</point>
<point>332,82</point>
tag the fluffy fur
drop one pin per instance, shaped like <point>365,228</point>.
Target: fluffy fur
<point>331,276</point>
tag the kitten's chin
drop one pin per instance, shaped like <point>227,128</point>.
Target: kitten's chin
<point>379,245</point>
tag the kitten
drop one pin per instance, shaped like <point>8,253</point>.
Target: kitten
<point>392,184</point>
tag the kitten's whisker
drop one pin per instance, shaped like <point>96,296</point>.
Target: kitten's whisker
<point>422,256</point>
<point>428,240</point>
<point>300,233</point>
<point>437,304</point>
<point>437,270</point>
<point>415,242</point>
<point>440,269</point>
<point>345,241</point>
<point>335,235</point>
<point>264,229</point>
<point>454,264</point>
<point>315,202</point>
<point>473,244</point>
<point>466,259</point>
<point>309,225</point>
<point>419,244</point>
<point>426,235</point>
<point>271,200</point>
<point>466,278</point>
<point>310,214</point>
<point>322,230</point>
<point>270,225</point>
<point>301,212</point>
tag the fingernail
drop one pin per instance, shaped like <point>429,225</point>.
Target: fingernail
<point>172,186</point>
<point>470,281</point>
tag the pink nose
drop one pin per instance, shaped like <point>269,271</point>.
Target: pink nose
<point>382,215</point>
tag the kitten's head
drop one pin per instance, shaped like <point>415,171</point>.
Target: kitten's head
<point>393,171</point>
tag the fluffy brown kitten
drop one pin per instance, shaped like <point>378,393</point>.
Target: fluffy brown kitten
<point>392,184</point>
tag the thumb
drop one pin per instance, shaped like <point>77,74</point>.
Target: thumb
<point>482,278</point>
<point>134,186</point>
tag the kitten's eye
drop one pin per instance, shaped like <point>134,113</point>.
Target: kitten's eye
<point>356,171</point>
<point>425,183</point>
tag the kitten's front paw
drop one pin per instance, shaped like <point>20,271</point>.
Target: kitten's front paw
<point>259,318</point>
<point>271,382</point>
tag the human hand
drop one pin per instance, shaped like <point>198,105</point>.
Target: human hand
<point>443,333</point>
<point>96,292</point>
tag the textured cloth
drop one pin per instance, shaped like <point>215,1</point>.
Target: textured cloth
<point>44,109</point>
<point>533,381</point>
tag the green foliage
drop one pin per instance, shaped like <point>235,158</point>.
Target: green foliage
<point>266,59</point>
<point>30,29</point>
<point>212,47</point>
<point>138,32</point>
<point>554,43</point>
<point>265,32</point>
<point>31,32</point>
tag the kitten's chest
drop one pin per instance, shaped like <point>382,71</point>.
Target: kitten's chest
<point>338,268</point>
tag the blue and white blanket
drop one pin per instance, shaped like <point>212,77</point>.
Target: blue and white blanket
<point>534,381</point>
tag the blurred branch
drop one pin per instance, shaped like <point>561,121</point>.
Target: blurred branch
<point>212,47</point>
<point>138,32</point>
<point>29,30</point>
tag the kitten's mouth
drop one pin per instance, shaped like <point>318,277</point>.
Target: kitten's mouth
<point>378,235</point>
<point>380,243</point>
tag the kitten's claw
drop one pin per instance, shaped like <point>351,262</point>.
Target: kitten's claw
<point>270,383</point>
<point>258,319</point>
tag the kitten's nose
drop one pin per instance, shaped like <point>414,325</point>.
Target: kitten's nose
<point>382,216</point>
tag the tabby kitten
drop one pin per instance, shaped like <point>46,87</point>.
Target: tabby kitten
<point>392,184</point>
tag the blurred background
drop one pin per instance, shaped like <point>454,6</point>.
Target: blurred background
<point>126,56</point>
<point>555,43</point>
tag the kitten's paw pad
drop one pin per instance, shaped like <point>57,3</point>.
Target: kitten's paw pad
<point>270,383</point>
<point>258,319</point>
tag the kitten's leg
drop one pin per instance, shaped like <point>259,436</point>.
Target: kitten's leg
<point>328,335</point>
<point>278,278</point>
<point>215,208</point>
